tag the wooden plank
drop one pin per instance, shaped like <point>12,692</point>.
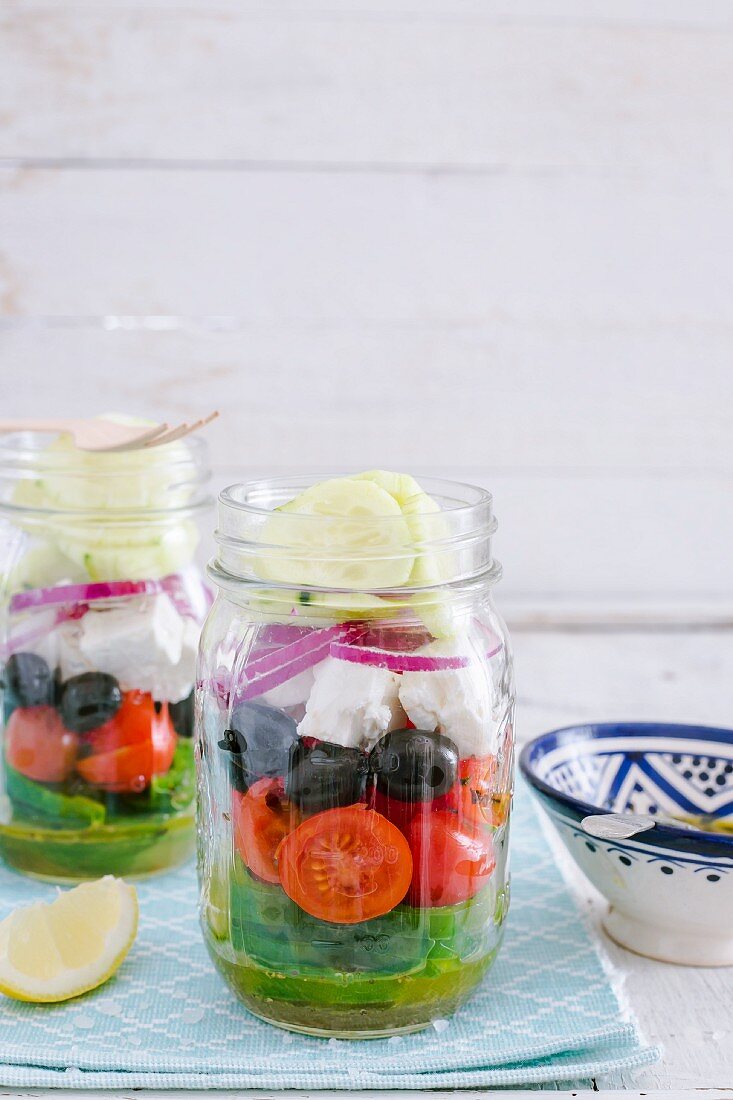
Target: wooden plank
<point>489,398</point>
<point>586,534</point>
<point>676,676</point>
<point>535,276</point>
<point>539,86</point>
<point>632,12</point>
<point>578,12</point>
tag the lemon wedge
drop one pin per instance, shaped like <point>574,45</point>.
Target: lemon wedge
<point>51,951</point>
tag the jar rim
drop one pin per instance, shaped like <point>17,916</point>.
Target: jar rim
<point>182,467</point>
<point>26,449</point>
<point>228,497</point>
<point>260,542</point>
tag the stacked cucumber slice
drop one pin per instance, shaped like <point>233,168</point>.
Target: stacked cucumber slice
<point>376,536</point>
<point>95,515</point>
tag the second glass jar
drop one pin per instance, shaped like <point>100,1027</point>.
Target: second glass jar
<point>100,616</point>
<point>355,749</point>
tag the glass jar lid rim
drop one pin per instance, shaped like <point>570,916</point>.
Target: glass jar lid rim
<point>238,496</point>
<point>179,471</point>
<point>31,451</point>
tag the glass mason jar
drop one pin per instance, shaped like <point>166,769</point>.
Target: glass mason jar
<point>355,756</point>
<point>101,609</point>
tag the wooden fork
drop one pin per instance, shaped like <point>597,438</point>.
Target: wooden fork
<point>106,435</point>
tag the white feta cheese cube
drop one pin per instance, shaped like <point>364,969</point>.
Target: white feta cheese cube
<point>351,705</point>
<point>71,661</point>
<point>139,642</point>
<point>292,692</point>
<point>174,682</point>
<point>456,702</point>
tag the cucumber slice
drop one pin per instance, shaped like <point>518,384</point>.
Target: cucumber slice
<point>282,605</point>
<point>127,554</point>
<point>86,486</point>
<point>75,854</point>
<point>427,525</point>
<point>274,932</point>
<point>463,931</point>
<point>42,566</point>
<point>32,801</point>
<point>175,790</point>
<point>271,929</point>
<point>128,481</point>
<point>348,547</point>
<point>420,512</point>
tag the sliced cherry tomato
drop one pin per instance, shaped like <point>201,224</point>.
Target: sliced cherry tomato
<point>450,864</point>
<point>38,746</point>
<point>474,797</point>
<point>263,817</point>
<point>345,865</point>
<point>500,803</point>
<point>131,725</point>
<point>126,752</point>
<point>399,813</point>
<point>126,771</point>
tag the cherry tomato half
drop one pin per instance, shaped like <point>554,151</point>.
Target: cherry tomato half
<point>474,797</point>
<point>263,817</point>
<point>138,743</point>
<point>450,863</point>
<point>399,813</point>
<point>39,746</point>
<point>126,771</point>
<point>131,725</point>
<point>345,865</point>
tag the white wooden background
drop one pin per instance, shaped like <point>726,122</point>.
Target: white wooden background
<point>489,238</point>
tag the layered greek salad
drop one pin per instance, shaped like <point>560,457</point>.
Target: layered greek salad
<point>369,767</point>
<point>98,671</point>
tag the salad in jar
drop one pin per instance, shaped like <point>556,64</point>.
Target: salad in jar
<point>356,752</point>
<point>102,605</point>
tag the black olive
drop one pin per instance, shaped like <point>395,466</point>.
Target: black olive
<point>28,680</point>
<point>259,740</point>
<point>238,778</point>
<point>414,765</point>
<point>182,716</point>
<point>89,700</point>
<point>323,776</point>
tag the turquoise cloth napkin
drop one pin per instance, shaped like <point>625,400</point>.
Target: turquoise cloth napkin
<point>545,1012</point>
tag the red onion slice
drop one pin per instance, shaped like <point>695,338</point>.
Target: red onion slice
<point>275,635</point>
<point>80,593</point>
<point>494,642</point>
<point>191,599</point>
<point>396,662</point>
<point>190,596</point>
<point>285,655</point>
<point>38,628</point>
<point>281,665</point>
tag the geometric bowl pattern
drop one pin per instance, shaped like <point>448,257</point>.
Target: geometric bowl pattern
<point>632,775</point>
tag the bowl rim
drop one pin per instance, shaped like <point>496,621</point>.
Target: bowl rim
<point>588,731</point>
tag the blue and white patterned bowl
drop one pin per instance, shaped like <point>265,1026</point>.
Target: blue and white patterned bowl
<point>670,888</point>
